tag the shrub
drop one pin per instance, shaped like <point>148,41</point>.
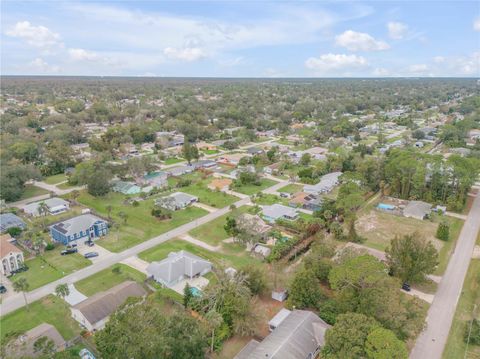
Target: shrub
<point>14,231</point>
<point>49,247</point>
<point>443,231</point>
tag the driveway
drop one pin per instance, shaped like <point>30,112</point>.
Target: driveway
<point>75,296</point>
<point>432,340</point>
<point>8,284</point>
<point>102,252</point>
<point>136,263</point>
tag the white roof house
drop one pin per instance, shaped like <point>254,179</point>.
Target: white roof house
<point>177,267</point>
<point>278,211</point>
<point>176,201</point>
<point>417,209</point>
<point>54,206</point>
<point>326,184</point>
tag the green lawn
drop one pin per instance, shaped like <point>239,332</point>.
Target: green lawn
<point>252,189</point>
<point>65,185</point>
<point>470,297</point>
<point>213,232</point>
<point>50,309</point>
<point>55,179</point>
<point>32,191</point>
<point>211,152</point>
<point>445,252</point>
<point>50,267</point>
<point>291,188</point>
<point>172,160</point>
<point>205,195</point>
<point>140,224</point>
<point>232,256</point>
<point>269,199</point>
<point>107,279</point>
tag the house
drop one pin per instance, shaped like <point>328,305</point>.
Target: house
<point>417,209</point>
<point>326,184</point>
<point>254,223</point>
<point>11,256</point>
<point>126,187</point>
<point>23,345</point>
<point>279,294</point>
<point>298,335</point>
<point>93,312</point>
<point>254,151</point>
<point>204,164</point>
<point>10,220</point>
<point>176,201</point>
<point>231,159</point>
<point>220,184</point>
<point>278,319</point>
<point>156,179</point>
<point>52,205</point>
<point>204,146</point>
<point>272,169</point>
<point>474,134</point>
<point>177,267</point>
<point>85,226</point>
<point>179,171</point>
<point>177,140</point>
<point>307,201</point>
<point>278,211</point>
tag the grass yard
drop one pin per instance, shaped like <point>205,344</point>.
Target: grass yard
<point>252,189</point>
<point>205,195</point>
<point>291,188</point>
<point>55,179</point>
<point>107,279</point>
<point>173,160</point>
<point>50,309</point>
<point>470,297</point>
<point>50,267</point>
<point>32,191</point>
<point>448,247</point>
<point>269,199</point>
<point>232,256</point>
<point>65,185</point>
<point>213,232</point>
<point>140,224</point>
<point>211,152</point>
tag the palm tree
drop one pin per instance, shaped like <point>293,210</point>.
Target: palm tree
<point>43,211</point>
<point>109,209</point>
<point>74,195</point>
<point>37,244</point>
<point>62,290</point>
<point>214,320</point>
<point>22,285</point>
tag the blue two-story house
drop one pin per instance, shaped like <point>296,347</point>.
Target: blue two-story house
<point>86,226</point>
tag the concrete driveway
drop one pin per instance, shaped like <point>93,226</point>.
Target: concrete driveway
<point>102,252</point>
<point>136,263</point>
<point>8,284</point>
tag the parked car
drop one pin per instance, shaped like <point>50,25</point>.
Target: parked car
<point>285,195</point>
<point>68,251</point>
<point>89,243</point>
<point>406,287</point>
<point>3,289</point>
<point>90,254</point>
<point>71,245</point>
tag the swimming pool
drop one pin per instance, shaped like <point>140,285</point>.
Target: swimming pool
<point>388,207</point>
<point>196,292</point>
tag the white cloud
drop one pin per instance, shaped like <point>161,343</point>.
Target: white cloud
<point>469,65</point>
<point>334,63</point>
<point>476,24</point>
<point>360,41</point>
<point>418,68</point>
<point>380,72</point>
<point>439,59</point>
<point>397,30</point>
<point>188,54</point>
<point>40,66</point>
<point>38,36</point>
<point>82,55</point>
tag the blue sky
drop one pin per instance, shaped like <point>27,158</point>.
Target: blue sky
<point>241,38</point>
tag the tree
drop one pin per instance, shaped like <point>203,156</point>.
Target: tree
<point>22,286</point>
<point>383,344</point>
<point>443,231</point>
<point>231,227</point>
<point>98,184</point>
<point>411,257</point>
<point>189,151</point>
<point>305,159</point>
<point>214,321</point>
<point>44,345</point>
<point>123,216</point>
<point>348,201</point>
<point>255,279</point>
<point>62,290</point>
<point>304,290</point>
<point>346,339</point>
<point>187,295</point>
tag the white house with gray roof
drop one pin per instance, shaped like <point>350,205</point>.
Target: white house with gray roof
<point>177,267</point>
<point>298,335</point>
<point>176,201</point>
<point>279,211</point>
<point>417,209</point>
<point>53,206</point>
<point>326,184</point>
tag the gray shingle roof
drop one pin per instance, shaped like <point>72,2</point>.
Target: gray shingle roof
<point>10,220</point>
<point>276,211</point>
<point>326,184</point>
<point>298,335</point>
<point>417,209</point>
<point>32,208</point>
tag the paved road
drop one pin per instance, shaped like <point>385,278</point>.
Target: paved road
<point>432,340</point>
<point>16,301</point>
<point>48,187</point>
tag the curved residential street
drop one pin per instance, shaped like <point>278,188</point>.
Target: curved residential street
<point>431,342</point>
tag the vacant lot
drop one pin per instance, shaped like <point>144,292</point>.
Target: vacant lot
<point>380,228</point>
<point>470,297</point>
<point>291,188</point>
<point>213,232</point>
<point>173,160</point>
<point>50,309</point>
<point>252,189</point>
<point>55,179</point>
<point>140,225</point>
<point>50,267</point>
<point>32,191</point>
<point>108,278</point>
<point>234,255</point>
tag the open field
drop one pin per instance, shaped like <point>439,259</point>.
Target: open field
<point>32,191</point>
<point>55,179</point>
<point>173,160</point>
<point>456,346</point>
<point>252,189</point>
<point>107,279</point>
<point>234,255</point>
<point>50,309</point>
<point>205,195</point>
<point>213,232</point>
<point>50,267</point>
<point>291,188</point>
<point>140,224</point>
